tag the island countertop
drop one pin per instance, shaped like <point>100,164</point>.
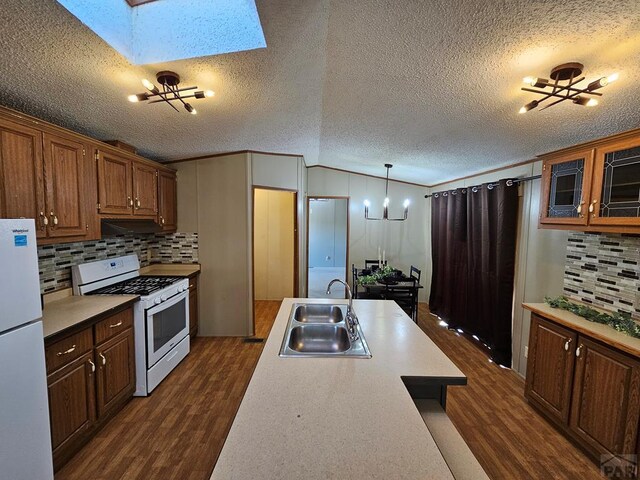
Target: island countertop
<point>321,418</point>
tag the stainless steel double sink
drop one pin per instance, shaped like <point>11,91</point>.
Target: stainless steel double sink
<point>319,330</point>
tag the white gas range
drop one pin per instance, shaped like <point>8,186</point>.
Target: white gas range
<point>161,316</point>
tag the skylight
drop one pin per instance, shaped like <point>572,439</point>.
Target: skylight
<point>167,30</point>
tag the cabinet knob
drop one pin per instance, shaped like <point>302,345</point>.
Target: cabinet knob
<point>580,207</point>
<point>579,350</point>
<point>44,219</point>
<point>592,206</point>
<point>137,202</point>
<point>567,343</point>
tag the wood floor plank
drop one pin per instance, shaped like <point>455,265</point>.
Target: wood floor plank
<point>178,432</point>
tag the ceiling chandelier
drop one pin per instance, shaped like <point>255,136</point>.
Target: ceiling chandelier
<point>562,87</point>
<point>385,204</point>
<point>170,92</point>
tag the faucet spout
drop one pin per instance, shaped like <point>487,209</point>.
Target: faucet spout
<point>351,319</point>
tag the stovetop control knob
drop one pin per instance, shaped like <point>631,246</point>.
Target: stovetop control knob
<point>157,300</point>
<point>163,298</point>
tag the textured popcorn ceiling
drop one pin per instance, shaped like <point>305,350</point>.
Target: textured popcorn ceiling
<point>432,87</point>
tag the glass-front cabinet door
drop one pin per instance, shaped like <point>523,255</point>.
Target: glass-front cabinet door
<point>566,184</point>
<point>616,180</point>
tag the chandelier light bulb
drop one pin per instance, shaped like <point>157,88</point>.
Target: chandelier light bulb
<point>522,110</point>
<point>592,102</point>
<point>132,98</point>
<point>147,84</point>
<point>613,77</point>
<point>530,80</point>
<point>209,93</point>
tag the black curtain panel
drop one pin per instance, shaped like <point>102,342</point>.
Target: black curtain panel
<point>473,252</point>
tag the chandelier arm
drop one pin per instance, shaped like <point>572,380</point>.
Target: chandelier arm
<point>166,99</point>
<point>159,94</point>
<point>573,95</point>
<point>543,92</point>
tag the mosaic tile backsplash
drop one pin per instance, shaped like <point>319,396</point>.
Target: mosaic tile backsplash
<point>56,260</point>
<point>604,270</point>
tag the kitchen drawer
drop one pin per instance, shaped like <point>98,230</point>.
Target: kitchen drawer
<point>113,325</point>
<point>68,349</point>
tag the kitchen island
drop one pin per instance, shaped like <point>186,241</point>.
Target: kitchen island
<point>321,418</point>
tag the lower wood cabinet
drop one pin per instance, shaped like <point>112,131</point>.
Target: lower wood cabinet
<point>193,306</point>
<point>91,375</point>
<point>589,389</point>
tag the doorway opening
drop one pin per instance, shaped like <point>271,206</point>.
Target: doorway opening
<point>327,245</point>
<point>275,255</point>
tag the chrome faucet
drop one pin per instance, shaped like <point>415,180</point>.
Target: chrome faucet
<point>351,320</point>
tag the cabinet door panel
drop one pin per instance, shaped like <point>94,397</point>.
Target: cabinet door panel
<point>71,402</point>
<point>550,367</point>
<point>64,187</point>
<point>606,399</point>
<point>21,174</point>
<point>167,188</point>
<point>114,184</point>
<point>566,183</point>
<point>145,187</point>
<point>116,371</point>
<point>617,184</point>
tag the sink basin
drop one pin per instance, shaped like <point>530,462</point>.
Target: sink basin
<point>318,313</point>
<point>320,330</point>
<point>319,339</point>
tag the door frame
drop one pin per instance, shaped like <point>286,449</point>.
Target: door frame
<point>328,197</point>
<point>296,239</point>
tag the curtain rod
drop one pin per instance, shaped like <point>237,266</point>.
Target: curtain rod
<point>510,182</point>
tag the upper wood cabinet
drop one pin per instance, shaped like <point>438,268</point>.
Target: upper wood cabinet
<point>46,177</point>
<point>145,189</point>
<point>126,187</point>
<point>21,174</point>
<point>593,187</point>
<point>167,199</point>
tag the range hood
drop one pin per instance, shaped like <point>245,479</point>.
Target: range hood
<point>117,226</point>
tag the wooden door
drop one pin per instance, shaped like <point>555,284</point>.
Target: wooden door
<point>566,185</point>
<point>606,399</point>
<point>145,189</point>
<point>114,184</point>
<point>21,175</point>
<point>616,184</point>
<point>193,306</point>
<point>72,408</point>
<point>550,367</point>
<point>116,371</point>
<point>168,201</point>
<point>64,186</point>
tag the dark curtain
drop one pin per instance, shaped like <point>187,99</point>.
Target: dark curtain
<point>473,241</point>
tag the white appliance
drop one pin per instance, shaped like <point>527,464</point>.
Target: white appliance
<point>25,436</point>
<point>160,317</point>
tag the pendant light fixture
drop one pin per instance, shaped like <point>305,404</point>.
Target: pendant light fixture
<point>385,204</point>
<point>169,92</point>
<point>562,86</point>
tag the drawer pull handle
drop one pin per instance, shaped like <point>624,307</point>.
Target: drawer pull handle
<point>115,325</point>
<point>66,352</point>
<point>567,343</point>
<point>579,350</point>
<point>93,366</point>
<point>104,360</point>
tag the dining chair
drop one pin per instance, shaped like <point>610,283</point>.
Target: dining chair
<point>354,280</point>
<point>406,296</point>
<point>415,273</point>
<point>372,264</point>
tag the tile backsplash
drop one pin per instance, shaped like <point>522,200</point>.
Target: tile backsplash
<point>55,261</point>
<point>604,270</point>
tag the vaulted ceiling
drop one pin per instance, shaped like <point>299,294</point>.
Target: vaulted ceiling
<point>432,87</point>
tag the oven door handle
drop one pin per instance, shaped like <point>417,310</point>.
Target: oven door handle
<point>168,303</point>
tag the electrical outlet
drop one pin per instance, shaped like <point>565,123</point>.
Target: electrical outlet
<point>526,352</point>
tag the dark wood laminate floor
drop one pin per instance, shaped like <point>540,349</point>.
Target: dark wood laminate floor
<point>178,432</point>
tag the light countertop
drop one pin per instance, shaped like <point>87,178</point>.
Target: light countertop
<point>72,310</point>
<point>171,269</point>
<point>598,331</point>
<point>322,418</point>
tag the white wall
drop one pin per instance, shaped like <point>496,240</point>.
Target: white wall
<point>406,243</point>
<point>540,255</point>
<point>273,244</point>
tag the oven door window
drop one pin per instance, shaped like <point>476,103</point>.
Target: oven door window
<point>167,324</point>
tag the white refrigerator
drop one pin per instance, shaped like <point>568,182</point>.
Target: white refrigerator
<point>25,437</point>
